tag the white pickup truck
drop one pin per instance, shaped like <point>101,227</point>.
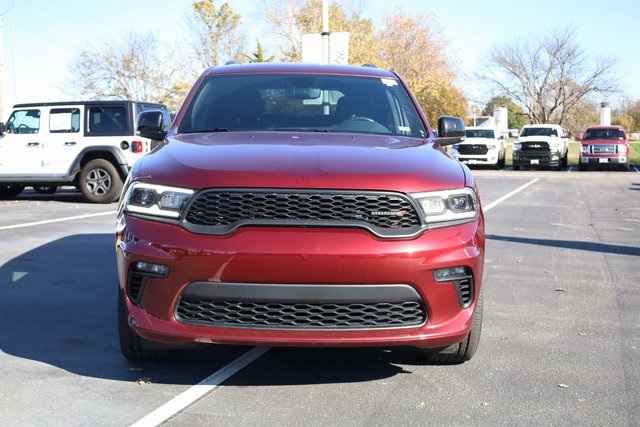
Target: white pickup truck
<point>482,146</point>
<point>541,145</point>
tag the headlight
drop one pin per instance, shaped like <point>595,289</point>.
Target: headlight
<point>156,200</point>
<point>517,146</point>
<point>491,146</point>
<point>442,208</point>
<point>585,149</point>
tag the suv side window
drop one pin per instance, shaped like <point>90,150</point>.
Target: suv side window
<point>64,120</point>
<point>24,121</point>
<point>106,120</point>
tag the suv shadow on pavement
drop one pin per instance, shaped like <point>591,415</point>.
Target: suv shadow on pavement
<point>58,308</point>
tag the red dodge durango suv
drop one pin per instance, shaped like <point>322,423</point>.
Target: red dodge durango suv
<point>300,205</point>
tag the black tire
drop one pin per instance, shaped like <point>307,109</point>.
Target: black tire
<point>463,351</point>
<point>582,167</point>
<point>100,181</point>
<point>565,160</point>
<point>9,191</point>
<point>625,167</point>
<point>501,162</point>
<point>46,189</point>
<point>516,167</point>
<point>131,345</point>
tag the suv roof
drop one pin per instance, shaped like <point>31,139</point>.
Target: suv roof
<point>302,68</point>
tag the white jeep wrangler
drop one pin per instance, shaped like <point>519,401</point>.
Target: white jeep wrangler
<point>90,145</point>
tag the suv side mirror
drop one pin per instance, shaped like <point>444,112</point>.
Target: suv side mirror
<point>150,125</point>
<point>2,129</point>
<point>450,130</point>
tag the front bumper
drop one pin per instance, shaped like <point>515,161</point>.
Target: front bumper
<point>594,160</point>
<point>537,158</point>
<point>286,267</point>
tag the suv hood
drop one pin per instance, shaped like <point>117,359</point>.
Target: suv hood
<point>303,160</point>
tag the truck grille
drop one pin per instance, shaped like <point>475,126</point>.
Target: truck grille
<point>471,149</point>
<point>535,146</point>
<point>216,211</point>
<point>603,149</point>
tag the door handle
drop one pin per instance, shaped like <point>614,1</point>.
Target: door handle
<point>33,144</point>
<point>70,143</point>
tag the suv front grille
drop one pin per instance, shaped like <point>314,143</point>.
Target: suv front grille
<point>277,315</point>
<point>386,214</point>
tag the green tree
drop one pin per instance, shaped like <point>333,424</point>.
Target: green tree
<point>217,37</point>
<point>258,55</point>
<point>516,117</point>
<point>632,111</point>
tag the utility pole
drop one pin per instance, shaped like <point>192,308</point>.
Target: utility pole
<point>325,31</point>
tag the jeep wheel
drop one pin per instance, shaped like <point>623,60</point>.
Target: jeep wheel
<point>9,191</point>
<point>464,350</point>
<point>131,345</point>
<point>625,167</point>
<point>100,182</point>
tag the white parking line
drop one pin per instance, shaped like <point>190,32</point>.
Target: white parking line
<point>194,393</point>
<point>49,221</point>
<point>506,196</point>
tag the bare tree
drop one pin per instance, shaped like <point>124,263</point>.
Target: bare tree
<point>549,77</point>
<point>130,69</point>
<point>216,34</point>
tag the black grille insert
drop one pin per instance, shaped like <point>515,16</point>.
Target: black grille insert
<point>216,211</point>
<point>301,315</point>
<point>299,306</point>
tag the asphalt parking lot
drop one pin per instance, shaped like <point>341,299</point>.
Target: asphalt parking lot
<point>560,342</point>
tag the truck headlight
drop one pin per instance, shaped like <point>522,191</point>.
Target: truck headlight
<point>517,146</point>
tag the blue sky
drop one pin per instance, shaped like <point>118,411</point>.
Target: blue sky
<point>40,38</point>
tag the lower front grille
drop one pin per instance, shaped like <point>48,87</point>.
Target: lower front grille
<point>294,306</point>
<point>301,316</point>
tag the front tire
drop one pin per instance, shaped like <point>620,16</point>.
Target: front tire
<point>463,351</point>
<point>132,345</point>
<point>100,181</point>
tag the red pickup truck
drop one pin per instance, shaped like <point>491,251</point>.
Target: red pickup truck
<point>604,146</point>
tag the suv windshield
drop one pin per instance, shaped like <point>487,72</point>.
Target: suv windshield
<point>302,102</point>
<point>604,134</point>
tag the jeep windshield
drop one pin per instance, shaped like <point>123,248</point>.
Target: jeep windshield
<point>302,102</point>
